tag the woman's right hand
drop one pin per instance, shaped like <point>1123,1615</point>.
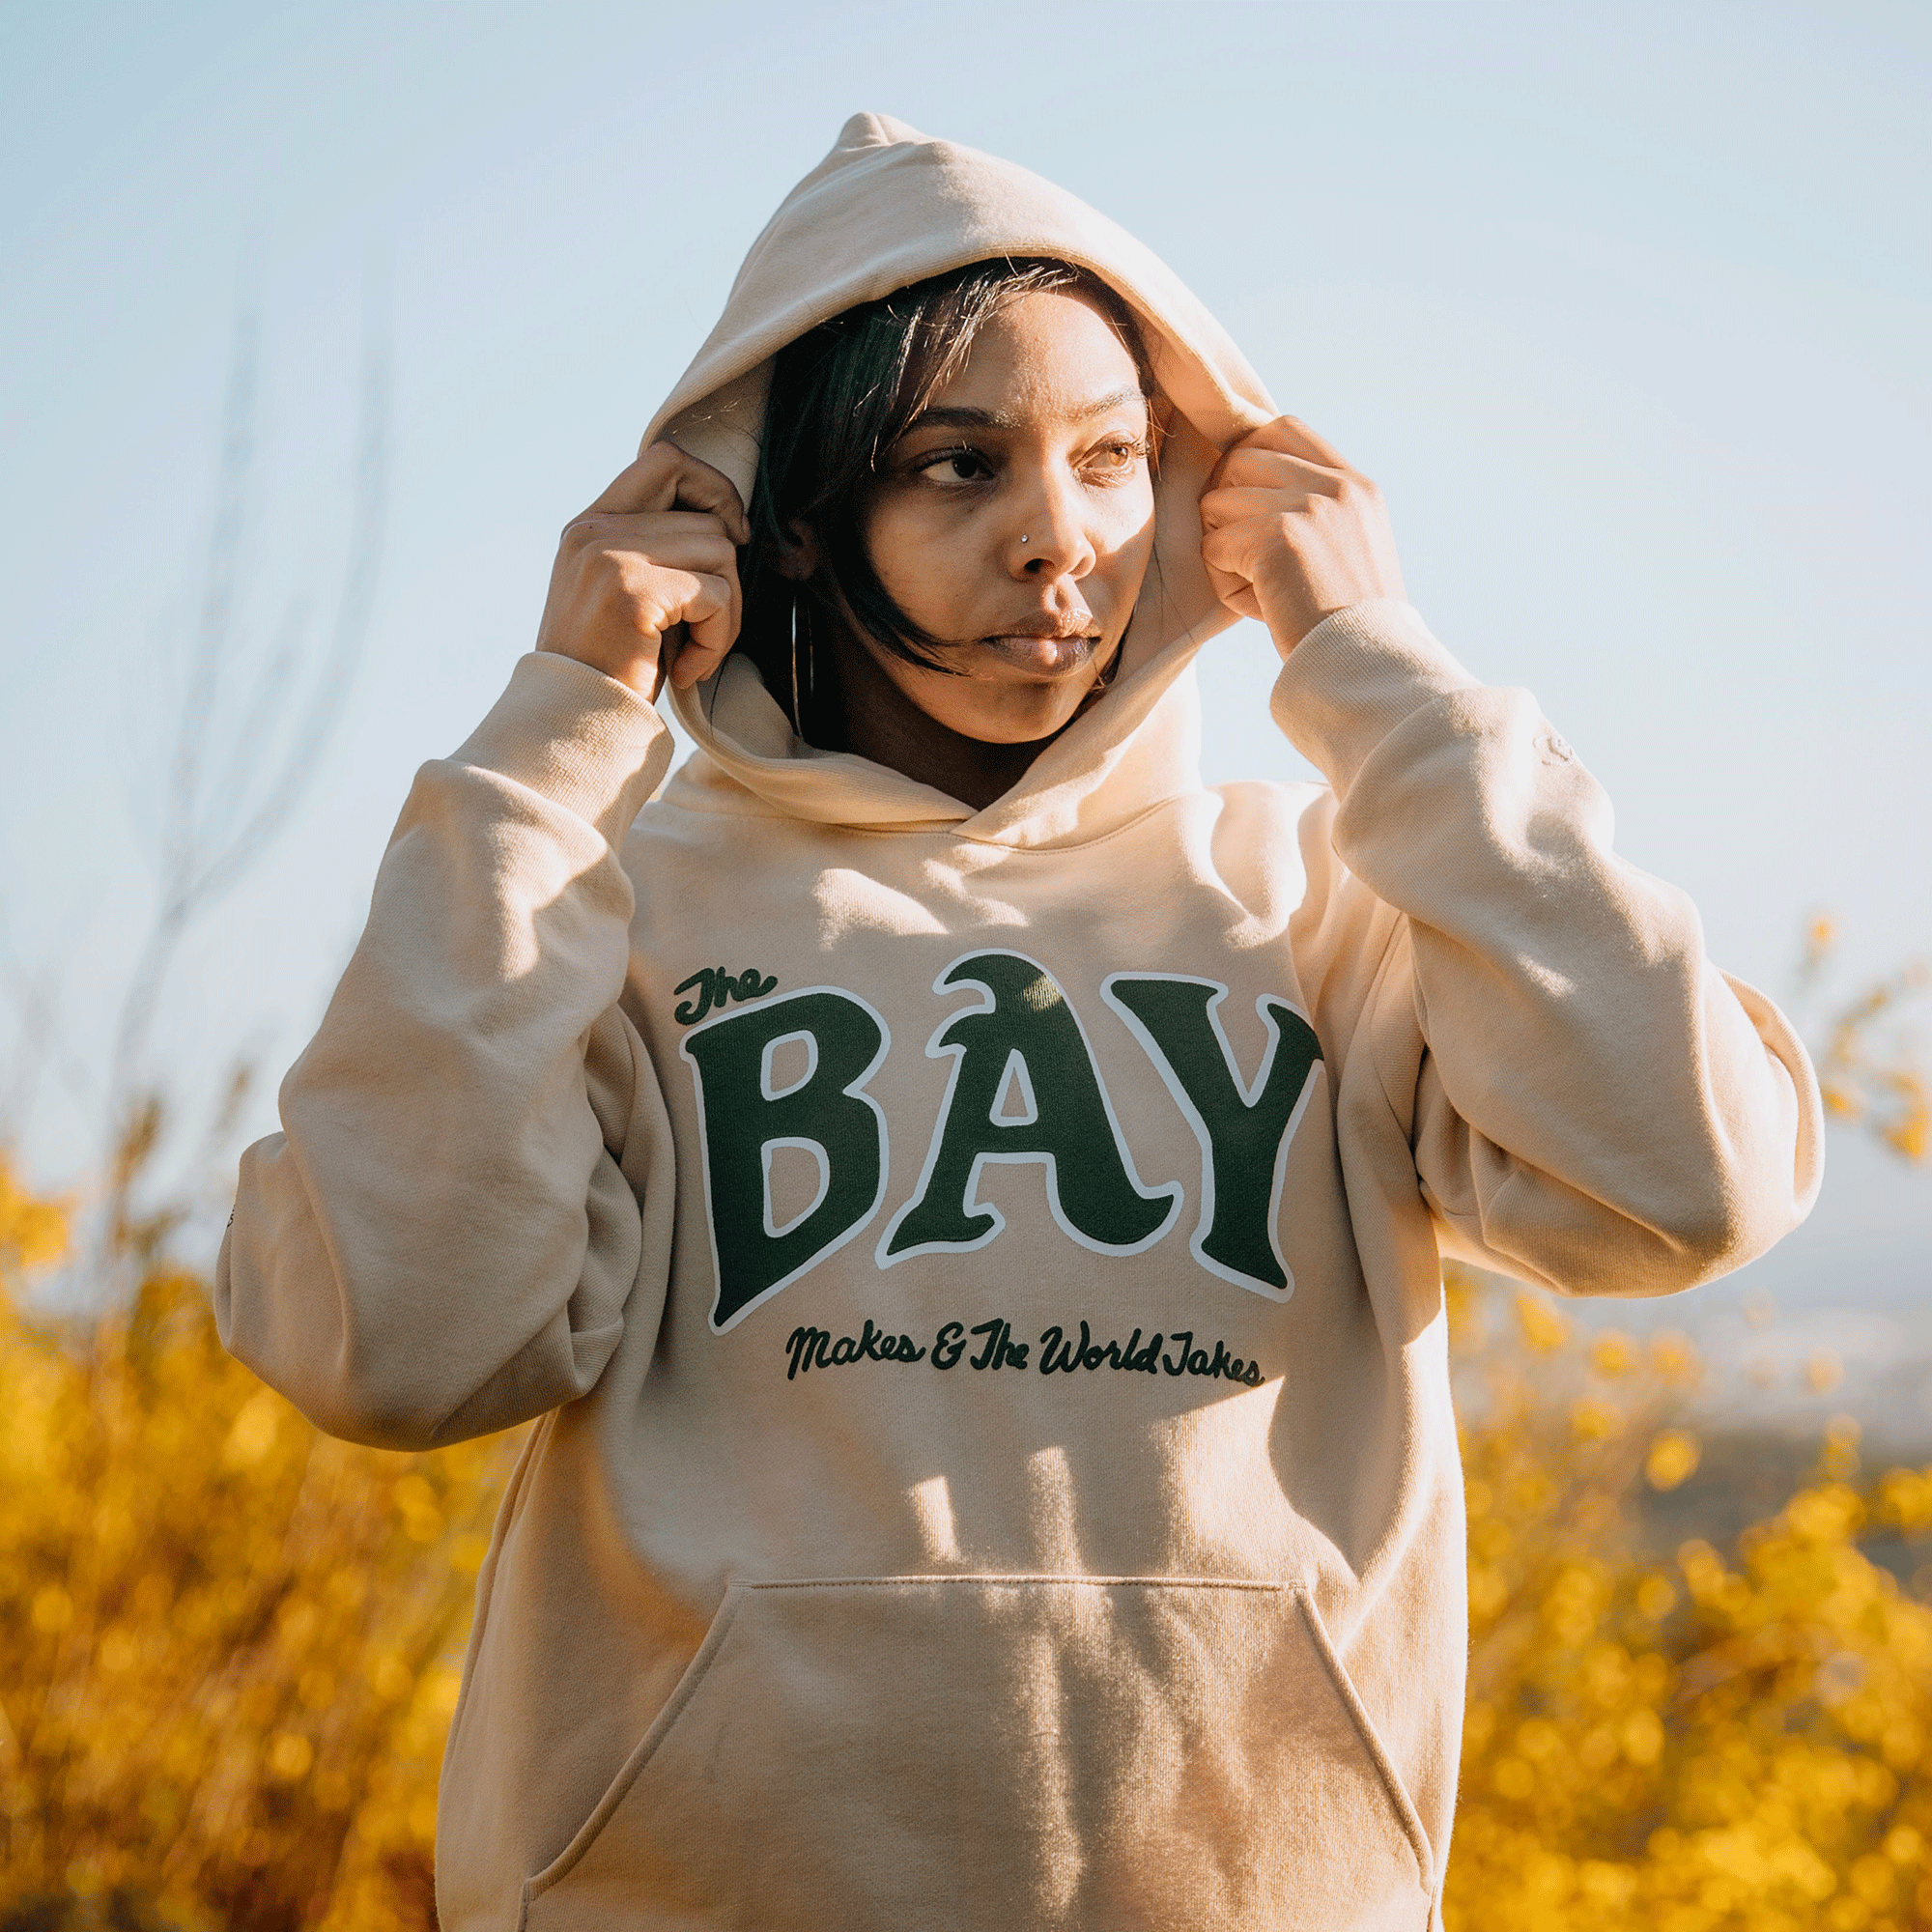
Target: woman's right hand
<point>646,578</point>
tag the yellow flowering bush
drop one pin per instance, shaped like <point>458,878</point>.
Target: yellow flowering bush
<point>1870,1079</point>
<point>229,1645</point>
<point>1683,1742</point>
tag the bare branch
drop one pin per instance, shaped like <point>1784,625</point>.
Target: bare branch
<point>215,834</point>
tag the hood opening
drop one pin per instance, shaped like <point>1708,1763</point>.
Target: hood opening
<point>886,207</point>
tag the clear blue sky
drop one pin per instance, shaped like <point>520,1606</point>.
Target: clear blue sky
<point>1627,307</point>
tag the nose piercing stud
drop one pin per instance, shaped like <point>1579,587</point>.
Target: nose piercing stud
<point>1022,538</point>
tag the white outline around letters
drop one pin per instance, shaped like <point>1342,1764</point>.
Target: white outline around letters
<point>1171,1192</point>
<point>765,1086</point>
<point>1015,1075</point>
<point>766,1150</point>
<point>855,1089</point>
<point>1249,1091</point>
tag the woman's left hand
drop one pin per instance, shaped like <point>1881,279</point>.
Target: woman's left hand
<point>1291,533</point>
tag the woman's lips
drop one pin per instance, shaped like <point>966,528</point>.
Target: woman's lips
<point>1044,657</point>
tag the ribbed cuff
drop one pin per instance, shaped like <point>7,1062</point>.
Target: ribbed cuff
<point>1355,677</point>
<point>584,741</point>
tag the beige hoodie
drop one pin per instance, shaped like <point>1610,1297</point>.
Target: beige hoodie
<point>978,1272</point>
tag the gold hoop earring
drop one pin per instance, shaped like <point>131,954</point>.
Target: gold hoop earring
<point>797,713</point>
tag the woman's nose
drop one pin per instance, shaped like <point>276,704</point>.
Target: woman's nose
<point>1048,535</point>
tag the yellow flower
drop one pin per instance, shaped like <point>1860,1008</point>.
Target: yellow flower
<point>1612,1353</point>
<point>1823,1372</point>
<point>1543,1328</point>
<point>1593,1421</point>
<point>1673,1457</point>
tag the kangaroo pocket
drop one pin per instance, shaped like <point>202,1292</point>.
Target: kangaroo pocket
<point>1012,1752</point>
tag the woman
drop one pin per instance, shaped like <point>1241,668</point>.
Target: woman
<point>965,1200</point>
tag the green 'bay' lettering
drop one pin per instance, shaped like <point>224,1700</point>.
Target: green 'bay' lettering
<point>1063,1120</point>
<point>1244,1131</point>
<point>745,1118</point>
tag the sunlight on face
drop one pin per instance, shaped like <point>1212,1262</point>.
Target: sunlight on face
<point>1015,520</point>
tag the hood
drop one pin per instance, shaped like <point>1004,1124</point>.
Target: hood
<point>889,205</point>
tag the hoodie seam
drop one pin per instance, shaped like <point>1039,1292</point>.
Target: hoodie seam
<point>951,835</point>
<point>1080,844</point>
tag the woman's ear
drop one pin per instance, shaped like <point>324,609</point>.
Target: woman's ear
<point>798,559</point>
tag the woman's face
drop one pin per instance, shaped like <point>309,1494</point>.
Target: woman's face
<point>1015,520</point>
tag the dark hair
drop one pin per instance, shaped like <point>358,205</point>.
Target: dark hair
<point>841,395</point>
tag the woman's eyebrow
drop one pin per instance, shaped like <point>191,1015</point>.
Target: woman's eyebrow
<point>964,417</point>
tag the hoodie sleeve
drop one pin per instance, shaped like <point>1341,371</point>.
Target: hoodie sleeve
<point>1594,1106</point>
<point>443,1239</point>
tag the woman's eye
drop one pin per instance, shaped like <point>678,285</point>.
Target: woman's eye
<point>957,465</point>
<point>1117,459</point>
